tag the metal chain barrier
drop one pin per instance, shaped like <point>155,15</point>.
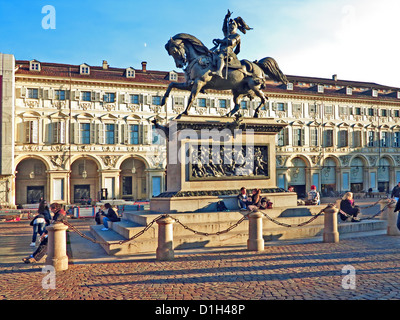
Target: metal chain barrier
<point>291,226</point>
<point>150,224</point>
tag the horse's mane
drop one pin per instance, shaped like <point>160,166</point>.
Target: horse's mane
<point>197,44</point>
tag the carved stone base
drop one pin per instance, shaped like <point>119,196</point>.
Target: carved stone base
<point>198,187</point>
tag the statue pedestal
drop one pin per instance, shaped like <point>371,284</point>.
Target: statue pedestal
<point>211,158</point>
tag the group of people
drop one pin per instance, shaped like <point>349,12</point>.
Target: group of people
<point>254,201</point>
<point>39,223</point>
<point>348,210</point>
<point>108,214</point>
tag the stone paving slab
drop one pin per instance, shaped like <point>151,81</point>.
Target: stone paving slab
<point>283,271</point>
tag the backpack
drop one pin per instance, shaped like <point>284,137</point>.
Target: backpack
<point>265,203</point>
<point>221,206</point>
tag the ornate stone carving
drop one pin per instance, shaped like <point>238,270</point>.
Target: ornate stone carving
<point>109,161</point>
<point>58,160</point>
<point>85,105</point>
<point>32,103</point>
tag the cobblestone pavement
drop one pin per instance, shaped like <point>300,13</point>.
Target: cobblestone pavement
<point>304,271</point>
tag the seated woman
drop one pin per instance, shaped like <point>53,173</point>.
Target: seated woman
<point>40,252</point>
<point>348,207</point>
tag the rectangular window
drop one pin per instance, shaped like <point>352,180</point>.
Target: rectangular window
<point>201,102</point>
<point>59,132</point>
<point>85,133</point>
<point>384,139</point>
<point>156,100</point>
<point>32,131</point>
<point>370,112</point>
<point>396,113</point>
<point>179,101</point>
<point>134,134</point>
<point>328,109</point>
<point>134,98</point>
<point>396,139</point>
<point>58,188</point>
<point>343,111</point>
<point>328,138</point>
<point>222,103</point>
<point>110,133</point>
<point>371,138</point>
<point>86,96</point>
<point>280,106</point>
<point>384,113</point>
<point>296,107</point>
<point>298,137</point>
<point>33,93</point>
<point>109,97</point>
<point>313,137</point>
<point>342,138</point>
<point>243,104</point>
<point>283,137</point>
<point>356,139</point>
<point>59,94</point>
<point>357,111</point>
<point>312,108</point>
<point>126,185</point>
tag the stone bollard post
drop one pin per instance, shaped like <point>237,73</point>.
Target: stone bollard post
<point>165,249</point>
<point>391,217</point>
<point>256,240</point>
<point>57,246</point>
<point>331,234</point>
<point>384,213</point>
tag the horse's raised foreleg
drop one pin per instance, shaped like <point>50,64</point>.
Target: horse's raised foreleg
<point>197,86</point>
<point>263,98</point>
<point>236,98</point>
<point>177,85</point>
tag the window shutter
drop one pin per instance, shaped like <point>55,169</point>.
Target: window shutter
<point>101,127</point>
<point>125,133</point>
<point>23,92</point>
<point>116,133</point>
<point>77,95</point>
<point>34,131</point>
<point>145,134</point>
<point>50,135</point>
<point>62,131</point>
<point>92,133</point>
<point>77,133</point>
<point>125,98</point>
<point>286,136</point>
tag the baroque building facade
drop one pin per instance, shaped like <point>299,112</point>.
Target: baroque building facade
<point>77,132</point>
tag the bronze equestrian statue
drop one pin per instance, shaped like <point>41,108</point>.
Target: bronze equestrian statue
<point>204,68</point>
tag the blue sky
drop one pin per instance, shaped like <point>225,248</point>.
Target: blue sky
<point>355,39</point>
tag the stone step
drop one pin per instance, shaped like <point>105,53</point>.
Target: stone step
<point>145,217</point>
<point>184,239</point>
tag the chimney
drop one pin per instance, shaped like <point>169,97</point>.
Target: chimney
<point>334,77</point>
<point>144,65</point>
<point>105,65</point>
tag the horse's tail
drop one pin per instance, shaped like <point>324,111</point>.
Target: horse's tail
<point>271,68</point>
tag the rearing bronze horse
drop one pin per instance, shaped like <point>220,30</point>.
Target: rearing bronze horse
<point>200,66</point>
